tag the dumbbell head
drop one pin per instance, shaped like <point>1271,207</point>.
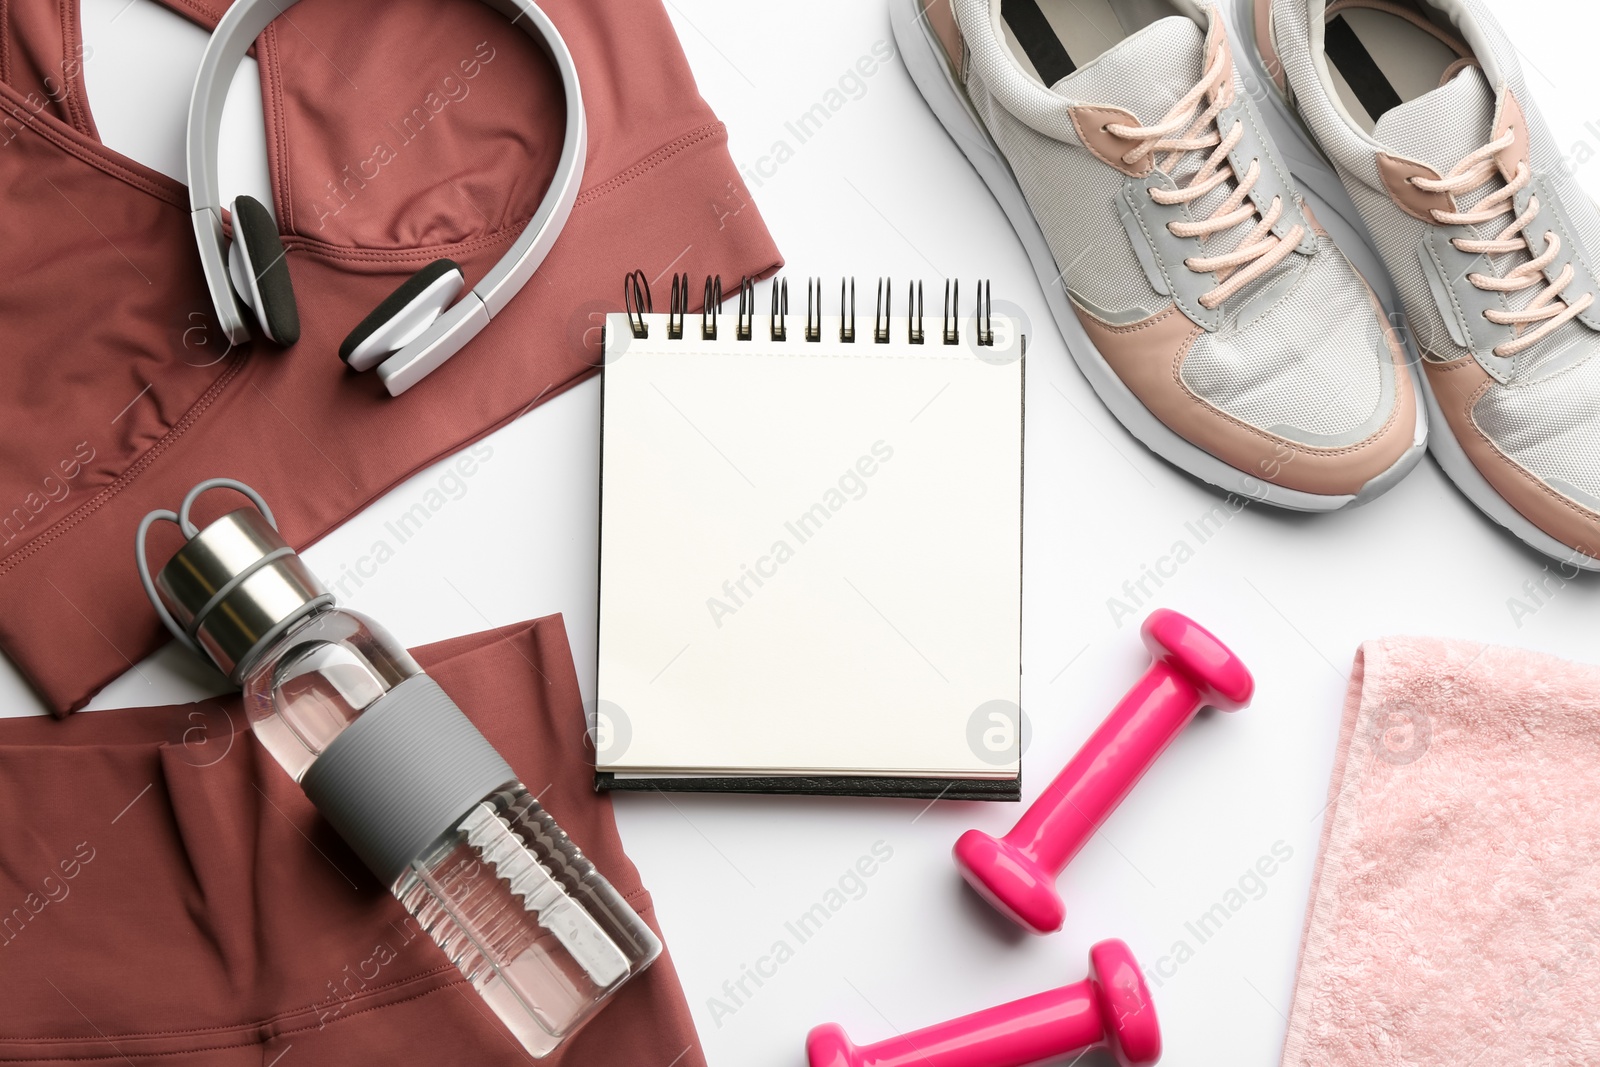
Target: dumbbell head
<point>1017,873</point>
<point>829,1046</point>
<point>1189,648</point>
<point>1110,1008</point>
<point>1126,1011</point>
<point>1011,880</point>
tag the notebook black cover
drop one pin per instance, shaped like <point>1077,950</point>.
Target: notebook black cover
<point>829,785</point>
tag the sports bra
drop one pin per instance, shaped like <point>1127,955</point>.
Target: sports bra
<point>398,132</point>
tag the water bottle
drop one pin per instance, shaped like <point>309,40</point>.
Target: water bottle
<point>407,780</point>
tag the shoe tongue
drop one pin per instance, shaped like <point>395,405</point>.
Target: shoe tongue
<point>1146,73</point>
<point>1442,126</point>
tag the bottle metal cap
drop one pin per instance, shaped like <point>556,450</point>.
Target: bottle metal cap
<point>234,587</point>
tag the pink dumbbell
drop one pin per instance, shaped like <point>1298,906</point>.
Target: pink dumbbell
<point>1111,1008</point>
<point>1192,669</point>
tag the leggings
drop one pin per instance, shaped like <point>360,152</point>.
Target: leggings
<point>169,896</point>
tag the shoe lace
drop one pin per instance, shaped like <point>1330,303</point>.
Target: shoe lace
<point>1186,128</point>
<point>1548,307</point>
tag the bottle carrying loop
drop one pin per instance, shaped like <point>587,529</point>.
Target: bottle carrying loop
<point>185,524</point>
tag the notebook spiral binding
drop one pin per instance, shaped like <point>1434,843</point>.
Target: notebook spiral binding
<point>637,302</point>
<point>636,299</point>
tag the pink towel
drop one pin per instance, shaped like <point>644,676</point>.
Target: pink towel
<point>1455,912</point>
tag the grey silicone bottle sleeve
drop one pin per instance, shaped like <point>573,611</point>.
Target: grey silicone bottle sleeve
<point>408,769</point>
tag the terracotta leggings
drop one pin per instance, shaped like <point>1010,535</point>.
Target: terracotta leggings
<point>168,896</point>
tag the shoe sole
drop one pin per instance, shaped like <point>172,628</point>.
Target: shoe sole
<point>1313,171</point>
<point>1453,460</point>
<point>920,51</point>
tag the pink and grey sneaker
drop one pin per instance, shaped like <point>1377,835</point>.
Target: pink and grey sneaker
<point>1423,113</point>
<point>1196,291</point>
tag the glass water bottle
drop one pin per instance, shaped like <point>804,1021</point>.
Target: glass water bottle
<point>404,776</point>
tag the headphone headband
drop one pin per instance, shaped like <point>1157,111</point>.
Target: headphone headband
<point>243,22</point>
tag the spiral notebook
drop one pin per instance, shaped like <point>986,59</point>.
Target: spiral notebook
<point>810,545</point>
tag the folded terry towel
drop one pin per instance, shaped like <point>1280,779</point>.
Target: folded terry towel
<point>1455,912</point>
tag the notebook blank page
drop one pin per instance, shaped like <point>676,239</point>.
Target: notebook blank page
<point>810,552</point>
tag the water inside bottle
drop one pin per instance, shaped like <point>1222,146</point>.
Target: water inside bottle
<point>526,918</point>
<point>514,904</point>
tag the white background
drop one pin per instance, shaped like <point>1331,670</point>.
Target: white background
<point>878,190</point>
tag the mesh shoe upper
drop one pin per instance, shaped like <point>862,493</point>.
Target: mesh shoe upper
<point>1314,367</point>
<point>1550,425</point>
<point>1299,352</point>
<point>1541,406</point>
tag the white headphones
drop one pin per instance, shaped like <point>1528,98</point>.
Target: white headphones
<point>419,325</point>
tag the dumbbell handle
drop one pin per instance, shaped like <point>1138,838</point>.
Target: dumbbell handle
<point>1144,722</point>
<point>1041,1027</point>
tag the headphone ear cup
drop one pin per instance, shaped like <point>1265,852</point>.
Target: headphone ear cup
<point>259,267</point>
<point>404,314</point>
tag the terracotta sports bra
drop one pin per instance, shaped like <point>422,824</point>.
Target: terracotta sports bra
<point>398,132</point>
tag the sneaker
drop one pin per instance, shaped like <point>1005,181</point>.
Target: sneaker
<point>1195,290</point>
<point>1422,110</point>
